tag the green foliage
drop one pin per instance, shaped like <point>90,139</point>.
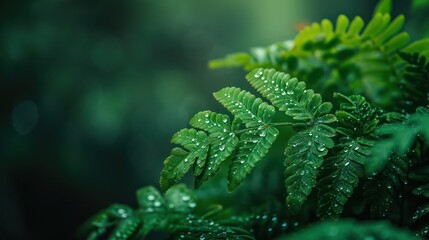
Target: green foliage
<point>331,55</point>
<point>399,138</point>
<point>305,149</point>
<point>366,161</point>
<point>348,229</point>
<point>381,191</point>
<point>342,171</point>
<point>174,213</point>
<point>421,175</point>
<point>416,77</point>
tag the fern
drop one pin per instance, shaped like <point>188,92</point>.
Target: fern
<point>327,53</point>
<point>347,229</point>
<point>416,78</point>
<point>341,172</point>
<point>421,175</point>
<point>381,190</point>
<point>174,213</point>
<point>306,149</point>
<point>363,150</point>
<point>398,138</point>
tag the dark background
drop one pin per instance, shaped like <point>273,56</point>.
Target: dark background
<point>91,92</point>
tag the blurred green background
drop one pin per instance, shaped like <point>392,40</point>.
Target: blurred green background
<point>91,92</point>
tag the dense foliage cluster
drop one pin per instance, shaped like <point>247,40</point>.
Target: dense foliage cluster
<point>366,139</point>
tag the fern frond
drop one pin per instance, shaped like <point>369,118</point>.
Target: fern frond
<point>204,153</point>
<point>245,106</point>
<point>222,139</point>
<point>306,149</point>
<point>398,139</point>
<point>348,229</point>
<point>381,190</point>
<point>421,175</point>
<point>271,220</point>
<point>348,51</point>
<point>126,229</point>
<point>291,96</point>
<point>211,122</point>
<point>253,146</point>
<point>175,167</point>
<point>267,57</point>
<point>419,46</point>
<point>340,173</point>
<point>172,213</point>
<point>419,214</point>
<point>416,77</point>
<point>303,159</point>
<point>383,6</point>
<point>197,229</point>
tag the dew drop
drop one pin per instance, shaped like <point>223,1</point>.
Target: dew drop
<point>157,203</point>
<point>321,148</point>
<point>186,198</point>
<point>151,197</point>
<point>192,204</point>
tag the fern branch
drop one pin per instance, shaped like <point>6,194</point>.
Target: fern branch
<point>381,190</point>
<point>306,149</point>
<point>252,148</point>
<point>254,144</point>
<point>341,173</point>
<point>398,138</point>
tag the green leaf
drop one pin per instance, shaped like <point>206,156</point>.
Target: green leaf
<point>398,139</point>
<point>382,189</point>
<point>180,161</point>
<point>350,229</point>
<point>181,199</point>
<point>219,127</point>
<point>176,166</point>
<point>253,146</point>
<point>342,24</point>
<point>290,95</point>
<point>304,158</point>
<point>383,6</point>
<point>421,212</point>
<point>245,106</point>
<point>391,30</point>
<point>150,199</point>
<point>222,146</point>
<point>420,46</point>
<point>126,229</point>
<point>340,175</point>
<point>356,26</point>
<point>397,42</point>
<point>231,60</point>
